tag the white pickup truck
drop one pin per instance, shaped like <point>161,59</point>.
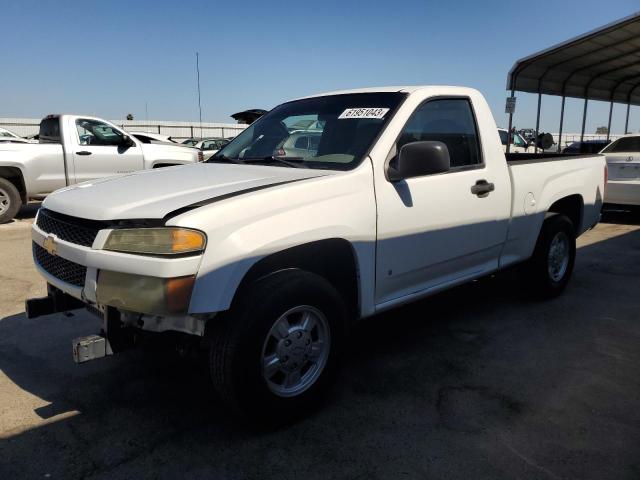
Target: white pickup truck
<point>269,260</point>
<point>73,149</point>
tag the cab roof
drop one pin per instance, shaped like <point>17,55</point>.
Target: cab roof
<point>399,88</point>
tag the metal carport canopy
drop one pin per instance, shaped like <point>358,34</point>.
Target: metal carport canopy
<point>603,64</point>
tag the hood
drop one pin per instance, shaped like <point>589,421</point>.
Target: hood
<point>156,193</point>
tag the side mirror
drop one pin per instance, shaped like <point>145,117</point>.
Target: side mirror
<point>127,142</point>
<point>417,159</point>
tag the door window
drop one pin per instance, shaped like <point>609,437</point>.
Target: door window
<point>94,132</point>
<point>450,121</point>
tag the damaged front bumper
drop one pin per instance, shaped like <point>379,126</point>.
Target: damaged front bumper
<point>120,329</point>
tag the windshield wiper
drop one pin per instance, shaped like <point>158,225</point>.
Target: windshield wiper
<point>294,162</point>
<point>222,158</point>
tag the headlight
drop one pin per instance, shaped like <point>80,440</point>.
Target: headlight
<point>156,241</point>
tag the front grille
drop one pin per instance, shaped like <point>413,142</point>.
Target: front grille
<point>71,229</point>
<point>60,268</point>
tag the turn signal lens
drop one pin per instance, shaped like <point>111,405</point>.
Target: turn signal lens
<point>156,241</point>
<point>178,293</point>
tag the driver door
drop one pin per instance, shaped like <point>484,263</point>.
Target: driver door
<point>99,151</point>
<point>434,230</point>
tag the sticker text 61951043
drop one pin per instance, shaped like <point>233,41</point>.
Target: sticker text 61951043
<point>366,112</point>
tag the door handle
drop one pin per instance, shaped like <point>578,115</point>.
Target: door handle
<point>83,152</point>
<point>482,188</point>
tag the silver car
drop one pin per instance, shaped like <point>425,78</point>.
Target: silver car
<point>299,145</point>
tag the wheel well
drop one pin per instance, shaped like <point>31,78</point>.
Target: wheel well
<point>332,259</point>
<point>162,165</point>
<point>570,206</point>
<point>14,175</point>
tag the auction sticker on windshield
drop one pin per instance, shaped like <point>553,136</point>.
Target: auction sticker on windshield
<point>369,112</point>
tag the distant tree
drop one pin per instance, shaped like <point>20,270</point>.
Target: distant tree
<point>129,116</point>
<point>602,131</point>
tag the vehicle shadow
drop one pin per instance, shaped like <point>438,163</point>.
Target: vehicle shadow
<point>28,211</point>
<point>620,215</point>
<point>423,386</point>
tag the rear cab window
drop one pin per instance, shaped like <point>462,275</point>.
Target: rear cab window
<point>50,130</point>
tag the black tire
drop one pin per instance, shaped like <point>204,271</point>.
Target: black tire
<point>237,343</point>
<point>11,201</point>
<point>539,279</point>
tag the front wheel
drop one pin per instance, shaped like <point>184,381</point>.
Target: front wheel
<point>275,355</point>
<point>548,271</point>
<point>10,201</point>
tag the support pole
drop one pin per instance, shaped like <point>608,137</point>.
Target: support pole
<point>199,103</point>
<point>538,123</point>
<point>561,122</point>
<point>584,119</point>
<point>609,124</point>
<point>510,125</point>
<point>626,122</point>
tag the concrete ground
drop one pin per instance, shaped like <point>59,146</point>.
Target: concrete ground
<point>474,383</point>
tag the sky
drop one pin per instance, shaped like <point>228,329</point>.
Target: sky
<point>113,57</point>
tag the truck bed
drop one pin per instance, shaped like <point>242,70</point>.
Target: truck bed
<point>539,180</point>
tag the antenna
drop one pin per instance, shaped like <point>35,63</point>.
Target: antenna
<point>199,104</point>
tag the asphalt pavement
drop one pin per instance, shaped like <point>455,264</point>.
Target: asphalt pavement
<point>478,382</point>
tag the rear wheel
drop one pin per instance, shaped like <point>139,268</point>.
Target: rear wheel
<point>276,353</point>
<point>549,270</point>
<point>10,201</point>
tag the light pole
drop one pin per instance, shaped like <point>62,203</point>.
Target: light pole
<point>199,103</point>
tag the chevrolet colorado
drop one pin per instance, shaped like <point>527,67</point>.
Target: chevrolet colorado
<point>268,260</point>
<point>73,149</point>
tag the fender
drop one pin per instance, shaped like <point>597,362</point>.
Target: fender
<point>245,229</point>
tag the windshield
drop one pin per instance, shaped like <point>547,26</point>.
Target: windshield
<point>6,133</point>
<point>332,132</point>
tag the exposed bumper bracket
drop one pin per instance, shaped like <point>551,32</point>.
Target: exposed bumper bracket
<point>113,338</point>
<point>90,347</point>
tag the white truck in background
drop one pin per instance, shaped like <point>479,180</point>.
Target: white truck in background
<point>268,260</point>
<point>518,142</point>
<point>73,149</point>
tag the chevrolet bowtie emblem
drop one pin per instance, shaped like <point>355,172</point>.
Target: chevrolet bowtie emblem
<point>50,246</point>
